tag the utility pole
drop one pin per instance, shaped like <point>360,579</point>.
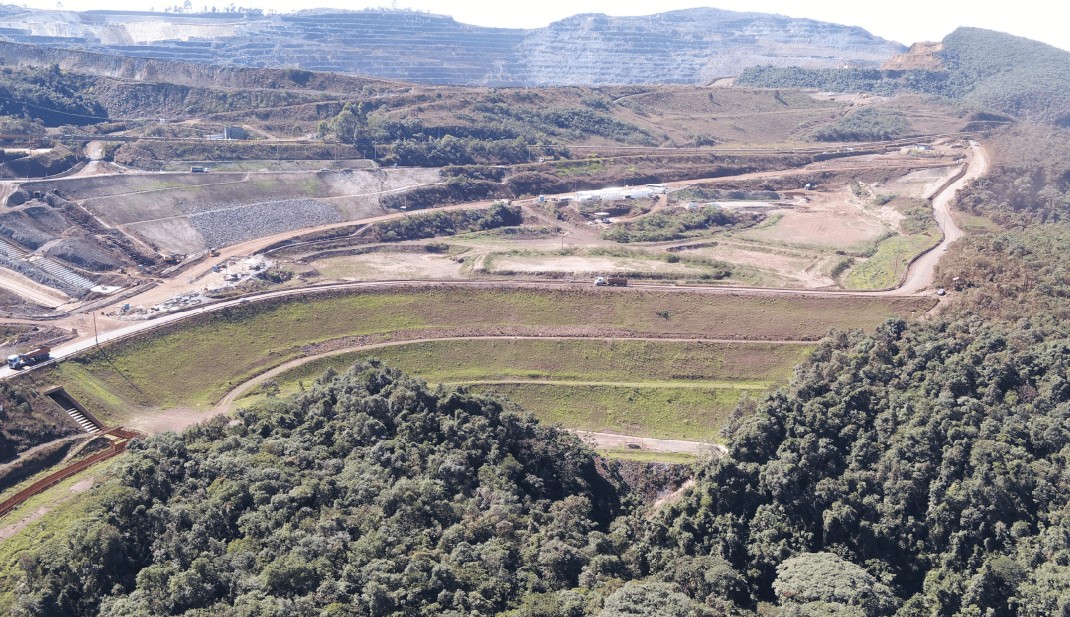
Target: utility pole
<point>96,335</point>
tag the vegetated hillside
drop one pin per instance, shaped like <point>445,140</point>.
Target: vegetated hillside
<point>27,419</point>
<point>367,495</point>
<point>1029,181</point>
<point>1017,272</point>
<point>866,124</point>
<point>983,69</point>
<point>1010,74</point>
<point>929,461</point>
<point>690,46</point>
<point>405,124</point>
<point>919,469</point>
<point>54,96</point>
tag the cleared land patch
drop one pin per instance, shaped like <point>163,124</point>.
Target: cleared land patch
<point>195,365</point>
<point>779,266</point>
<point>827,222</point>
<point>582,265</point>
<point>384,266</point>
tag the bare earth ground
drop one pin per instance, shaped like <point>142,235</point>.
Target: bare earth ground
<point>612,441</point>
<point>793,267</point>
<point>830,220</point>
<point>918,184</point>
<point>389,266</point>
<point>31,290</point>
<point>586,265</point>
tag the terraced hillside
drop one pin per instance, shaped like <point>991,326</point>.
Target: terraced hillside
<point>691,46</point>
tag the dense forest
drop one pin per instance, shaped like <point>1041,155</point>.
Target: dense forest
<point>366,495</point>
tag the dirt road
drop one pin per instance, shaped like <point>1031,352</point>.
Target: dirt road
<point>619,442</point>
<point>226,404</point>
<point>920,275</point>
<point>33,291</point>
<point>918,278</point>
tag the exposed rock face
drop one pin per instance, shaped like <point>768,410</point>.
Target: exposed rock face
<point>690,46</point>
<point>919,56</point>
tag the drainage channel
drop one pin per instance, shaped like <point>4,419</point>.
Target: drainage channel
<point>78,413</point>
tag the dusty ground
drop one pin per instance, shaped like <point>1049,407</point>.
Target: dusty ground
<point>833,220</point>
<point>31,290</point>
<point>581,265</point>
<point>614,441</point>
<point>919,184</point>
<point>389,267</point>
<point>169,420</point>
<point>793,268</point>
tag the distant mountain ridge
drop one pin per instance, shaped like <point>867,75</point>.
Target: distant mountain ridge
<point>688,46</point>
<point>987,71</point>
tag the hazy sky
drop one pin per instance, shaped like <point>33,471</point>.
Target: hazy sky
<point>905,21</point>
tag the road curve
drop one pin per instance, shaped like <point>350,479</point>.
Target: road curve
<point>226,403</point>
<point>920,274</point>
<point>89,340</point>
<point>918,277</point>
<point>596,439</point>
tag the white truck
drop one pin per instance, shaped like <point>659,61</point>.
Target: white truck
<point>34,356</point>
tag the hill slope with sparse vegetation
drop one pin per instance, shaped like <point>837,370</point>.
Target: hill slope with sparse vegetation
<point>985,70</point>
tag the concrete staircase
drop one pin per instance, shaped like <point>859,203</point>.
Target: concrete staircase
<point>82,421</point>
<point>64,401</point>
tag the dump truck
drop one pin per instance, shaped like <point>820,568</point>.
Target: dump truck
<point>34,356</point>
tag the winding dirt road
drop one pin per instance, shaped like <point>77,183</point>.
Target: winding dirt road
<point>920,274</point>
<point>918,278</point>
<point>600,440</point>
